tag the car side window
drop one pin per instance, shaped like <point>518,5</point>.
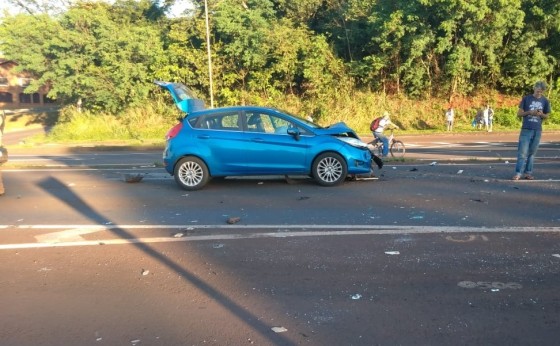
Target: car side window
<point>281,126</point>
<point>270,123</point>
<point>256,122</point>
<point>220,121</point>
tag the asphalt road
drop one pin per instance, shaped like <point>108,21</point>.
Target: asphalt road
<point>442,249</point>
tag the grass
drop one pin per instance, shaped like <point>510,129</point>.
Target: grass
<point>148,125</point>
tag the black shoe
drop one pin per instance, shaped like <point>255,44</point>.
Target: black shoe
<point>378,161</point>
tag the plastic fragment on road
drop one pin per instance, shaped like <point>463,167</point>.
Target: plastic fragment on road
<point>218,246</point>
<point>356,296</point>
<point>133,177</point>
<point>134,342</point>
<point>178,235</point>
<point>392,252</point>
<point>433,163</point>
<point>460,171</point>
<point>145,272</point>
<point>279,329</point>
<point>556,255</point>
<point>233,220</point>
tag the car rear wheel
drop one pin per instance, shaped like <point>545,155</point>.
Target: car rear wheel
<point>191,173</point>
<point>329,169</point>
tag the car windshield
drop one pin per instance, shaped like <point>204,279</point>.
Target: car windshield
<point>307,122</point>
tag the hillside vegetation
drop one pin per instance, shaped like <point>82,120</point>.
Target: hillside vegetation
<point>337,61</point>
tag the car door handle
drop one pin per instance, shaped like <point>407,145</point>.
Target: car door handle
<point>203,136</point>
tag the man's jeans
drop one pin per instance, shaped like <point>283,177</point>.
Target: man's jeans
<point>385,141</point>
<point>526,150</point>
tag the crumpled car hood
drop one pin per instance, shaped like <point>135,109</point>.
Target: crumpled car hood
<point>339,128</point>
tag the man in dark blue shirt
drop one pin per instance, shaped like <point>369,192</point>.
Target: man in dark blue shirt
<point>532,109</point>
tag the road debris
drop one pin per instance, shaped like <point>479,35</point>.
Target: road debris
<point>145,272</point>
<point>392,252</point>
<point>279,329</point>
<point>133,177</point>
<point>356,296</point>
<point>233,220</point>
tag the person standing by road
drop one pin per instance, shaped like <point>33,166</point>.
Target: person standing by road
<point>2,125</point>
<point>378,132</point>
<point>485,116</point>
<point>449,118</point>
<point>533,109</point>
<point>490,118</point>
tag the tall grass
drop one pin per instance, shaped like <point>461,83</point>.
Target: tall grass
<point>149,124</point>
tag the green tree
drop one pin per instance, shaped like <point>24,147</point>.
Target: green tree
<point>105,55</point>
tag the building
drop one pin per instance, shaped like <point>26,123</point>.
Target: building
<point>12,85</point>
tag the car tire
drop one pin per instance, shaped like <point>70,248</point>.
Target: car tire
<point>191,173</point>
<point>329,169</point>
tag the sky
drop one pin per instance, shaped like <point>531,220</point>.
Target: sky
<point>176,11</point>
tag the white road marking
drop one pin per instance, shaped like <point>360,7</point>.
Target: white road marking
<point>282,231</point>
<point>71,235</point>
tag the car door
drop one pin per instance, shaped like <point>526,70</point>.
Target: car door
<point>221,142</point>
<point>270,149</point>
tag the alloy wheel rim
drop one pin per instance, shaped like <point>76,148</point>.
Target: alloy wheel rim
<point>329,169</point>
<point>191,174</point>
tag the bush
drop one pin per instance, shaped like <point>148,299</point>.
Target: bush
<point>507,118</point>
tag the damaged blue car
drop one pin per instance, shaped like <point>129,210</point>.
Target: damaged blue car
<point>251,141</point>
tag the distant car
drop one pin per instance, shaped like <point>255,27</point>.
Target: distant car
<point>250,140</point>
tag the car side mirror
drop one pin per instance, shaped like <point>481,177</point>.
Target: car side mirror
<point>294,132</point>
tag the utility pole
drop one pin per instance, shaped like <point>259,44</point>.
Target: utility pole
<point>209,55</point>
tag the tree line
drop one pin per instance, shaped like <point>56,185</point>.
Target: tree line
<point>262,51</point>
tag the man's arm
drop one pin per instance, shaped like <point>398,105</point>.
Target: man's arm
<point>521,113</point>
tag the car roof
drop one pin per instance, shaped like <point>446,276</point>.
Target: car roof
<point>235,109</point>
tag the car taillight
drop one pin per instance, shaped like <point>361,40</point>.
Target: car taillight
<point>173,131</point>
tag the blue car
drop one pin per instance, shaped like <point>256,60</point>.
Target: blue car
<point>250,140</point>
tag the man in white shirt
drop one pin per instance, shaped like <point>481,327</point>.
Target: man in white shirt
<point>378,133</point>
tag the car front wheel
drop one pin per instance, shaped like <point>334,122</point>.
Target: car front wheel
<point>329,169</point>
<point>191,173</point>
